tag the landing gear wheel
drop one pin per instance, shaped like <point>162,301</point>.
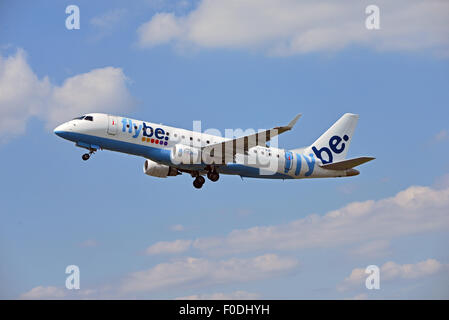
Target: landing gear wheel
<point>86,156</point>
<point>198,182</point>
<point>213,176</point>
<point>201,179</point>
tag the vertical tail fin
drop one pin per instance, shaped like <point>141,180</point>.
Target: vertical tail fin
<point>333,145</point>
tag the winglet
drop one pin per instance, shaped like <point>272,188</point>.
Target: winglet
<point>293,122</point>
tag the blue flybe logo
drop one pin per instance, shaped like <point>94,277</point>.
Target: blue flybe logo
<point>335,145</point>
<point>149,134</point>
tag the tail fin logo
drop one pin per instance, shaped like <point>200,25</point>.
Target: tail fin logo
<point>335,145</point>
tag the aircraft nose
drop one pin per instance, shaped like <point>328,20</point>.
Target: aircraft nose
<point>58,130</point>
<point>63,129</point>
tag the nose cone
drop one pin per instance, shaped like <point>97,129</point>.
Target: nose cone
<point>64,130</point>
<point>59,130</point>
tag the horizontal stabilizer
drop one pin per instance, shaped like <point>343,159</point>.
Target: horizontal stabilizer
<point>346,164</point>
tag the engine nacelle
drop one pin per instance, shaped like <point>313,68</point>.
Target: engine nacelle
<point>182,154</point>
<point>155,169</point>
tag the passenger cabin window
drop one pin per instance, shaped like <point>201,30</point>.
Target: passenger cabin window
<point>89,118</point>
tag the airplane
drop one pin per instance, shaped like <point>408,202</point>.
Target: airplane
<point>171,151</point>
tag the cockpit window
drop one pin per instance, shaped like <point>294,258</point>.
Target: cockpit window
<point>79,118</point>
<point>89,118</point>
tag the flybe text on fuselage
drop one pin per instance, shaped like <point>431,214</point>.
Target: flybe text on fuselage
<point>309,160</point>
<point>157,135</point>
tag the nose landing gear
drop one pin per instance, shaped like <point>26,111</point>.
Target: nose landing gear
<point>86,156</point>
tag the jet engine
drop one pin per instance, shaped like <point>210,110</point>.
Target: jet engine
<point>155,169</point>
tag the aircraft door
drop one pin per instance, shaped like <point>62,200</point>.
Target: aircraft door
<point>288,161</point>
<point>112,125</point>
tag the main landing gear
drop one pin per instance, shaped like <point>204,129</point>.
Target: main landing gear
<point>212,175</point>
<point>86,156</point>
<point>198,182</point>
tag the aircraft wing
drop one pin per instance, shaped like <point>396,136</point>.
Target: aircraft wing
<point>225,151</point>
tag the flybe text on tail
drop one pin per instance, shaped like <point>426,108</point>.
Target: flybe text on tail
<point>335,145</point>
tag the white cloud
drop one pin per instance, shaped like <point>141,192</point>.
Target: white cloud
<point>162,28</point>
<point>107,23</point>
<point>51,292</point>
<point>236,295</point>
<point>162,247</point>
<point>108,19</point>
<point>372,248</point>
<point>415,210</point>
<point>99,89</point>
<point>183,273</point>
<point>44,293</point>
<point>392,271</point>
<point>289,27</point>
<point>23,95</point>
<point>196,272</point>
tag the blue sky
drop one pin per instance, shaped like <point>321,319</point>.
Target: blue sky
<point>135,236</point>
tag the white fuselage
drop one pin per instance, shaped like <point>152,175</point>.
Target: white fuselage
<point>157,142</point>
